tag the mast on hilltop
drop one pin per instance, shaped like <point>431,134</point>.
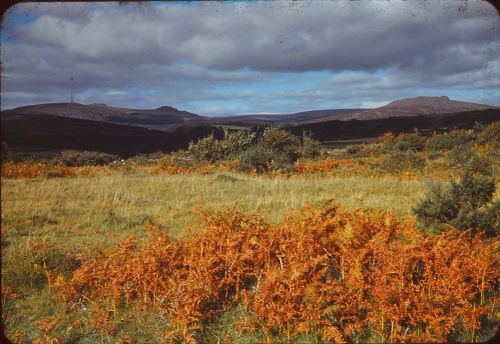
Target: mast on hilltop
<point>71,88</point>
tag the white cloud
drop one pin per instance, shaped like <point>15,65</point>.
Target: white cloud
<point>170,53</point>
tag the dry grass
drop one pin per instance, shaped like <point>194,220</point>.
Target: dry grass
<point>120,204</point>
<point>83,213</point>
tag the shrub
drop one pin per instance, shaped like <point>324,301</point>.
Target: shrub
<point>212,150</point>
<point>205,149</point>
<point>450,140</point>
<point>353,150</point>
<point>398,161</point>
<point>257,158</point>
<point>310,148</point>
<point>465,158</point>
<point>235,142</point>
<point>72,158</point>
<point>490,133</point>
<point>410,141</point>
<point>463,205</point>
<point>387,138</point>
<point>281,142</point>
<point>362,151</point>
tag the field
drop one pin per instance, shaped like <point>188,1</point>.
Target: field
<point>86,250</point>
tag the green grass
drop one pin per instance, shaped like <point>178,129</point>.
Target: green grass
<point>85,213</point>
<point>120,204</point>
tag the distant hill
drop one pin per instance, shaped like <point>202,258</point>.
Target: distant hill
<point>125,131</point>
<point>160,118</point>
<point>418,106</point>
<point>355,129</point>
<point>283,119</point>
<point>46,132</point>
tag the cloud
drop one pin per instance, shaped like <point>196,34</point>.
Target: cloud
<point>172,54</point>
<point>269,37</point>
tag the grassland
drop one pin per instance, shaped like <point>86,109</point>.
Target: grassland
<point>57,220</point>
<point>120,204</point>
<point>80,214</point>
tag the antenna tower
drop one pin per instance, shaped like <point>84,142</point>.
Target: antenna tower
<point>71,88</point>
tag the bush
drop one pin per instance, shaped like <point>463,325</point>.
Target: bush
<point>450,140</point>
<point>462,205</point>
<point>205,149</point>
<point>361,151</point>
<point>464,158</point>
<point>387,139</point>
<point>410,141</point>
<point>310,148</point>
<point>72,158</point>
<point>398,161</point>
<point>353,150</point>
<point>281,143</point>
<point>235,142</point>
<point>212,150</point>
<point>257,158</point>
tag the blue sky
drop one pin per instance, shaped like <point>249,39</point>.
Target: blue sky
<point>226,58</point>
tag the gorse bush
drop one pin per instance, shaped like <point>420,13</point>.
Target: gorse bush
<point>463,205</point>
<point>361,151</point>
<point>410,141</point>
<point>279,140</point>
<point>205,149</point>
<point>276,149</point>
<point>310,148</point>
<point>389,143</point>
<point>450,140</point>
<point>257,158</point>
<point>212,150</point>
<point>465,159</point>
<point>398,161</point>
<point>281,143</point>
<point>235,142</point>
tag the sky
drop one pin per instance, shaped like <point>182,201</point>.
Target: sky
<point>242,57</point>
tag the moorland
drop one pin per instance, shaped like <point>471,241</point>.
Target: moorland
<point>256,236</point>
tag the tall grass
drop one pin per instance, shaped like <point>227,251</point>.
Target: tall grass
<point>121,203</point>
<point>79,214</point>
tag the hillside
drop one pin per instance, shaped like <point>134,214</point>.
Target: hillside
<point>159,118</point>
<point>418,106</point>
<point>283,119</point>
<point>356,129</point>
<point>40,131</point>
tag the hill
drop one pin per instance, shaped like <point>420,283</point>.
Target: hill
<point>40,131</point>
<point>283,119</point>
<point>160,118</point>
<point>418,106</point>
<point>356,129</point>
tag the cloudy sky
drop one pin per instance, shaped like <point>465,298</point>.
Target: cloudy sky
<point>250,57</point>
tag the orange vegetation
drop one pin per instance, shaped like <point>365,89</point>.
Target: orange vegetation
<point>32,169</point>
<point>169,167</point>
<point>9,293</point>
<point>334,273</point>
<point>326,165</point>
